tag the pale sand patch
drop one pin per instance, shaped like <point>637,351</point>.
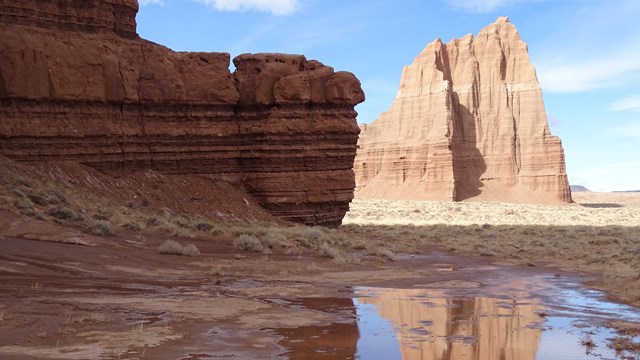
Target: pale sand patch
<point>203,309</point>
<point>407,212</point>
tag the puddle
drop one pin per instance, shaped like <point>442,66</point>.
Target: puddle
<point>447,324</point>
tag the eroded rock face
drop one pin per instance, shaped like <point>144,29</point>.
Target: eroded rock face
<point>468,123</point>
<point>77,84</point>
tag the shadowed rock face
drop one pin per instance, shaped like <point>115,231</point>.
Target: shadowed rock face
<point>78,84</point>
<point>468,123</point>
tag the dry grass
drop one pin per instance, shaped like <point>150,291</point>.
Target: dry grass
<point>601,237</point>
<point>172,247</point>
<point>406,212</point>
<point>84,318</point>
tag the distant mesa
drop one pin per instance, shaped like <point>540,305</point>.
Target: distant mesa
<point>77,84</point>
<point>578,188</point>
<point>468,123</point>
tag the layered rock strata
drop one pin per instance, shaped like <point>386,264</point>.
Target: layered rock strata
<point>77,84</point>
<point>468,123</point>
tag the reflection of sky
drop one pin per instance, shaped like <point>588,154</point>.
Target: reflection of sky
<point>377,336</point>
<point>592,303</point>
<point>418,321</point>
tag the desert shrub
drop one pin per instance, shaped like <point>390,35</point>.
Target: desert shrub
<point>57,197</point>
<point>246,242</point>
<point>38,199</point>
<point>133,226</point>
<point>62,213</point>
<point>217,270</point>
<point>385,253</point>
<point>182,221</point>
<point>336,255</point>
<point>22,182</point>
<point>204,226</point>
<point>190,250</point>
<point>101,215</point>
<point>170,247</point>
<point>100,228</point>
<point>173,247</point>
<point>23,204</point>
<point>274,239</point>
<point>182,233</point>
<point>156,221</point>
<point>19,194</point>
<point>312,237</point>
<point>328,251</point>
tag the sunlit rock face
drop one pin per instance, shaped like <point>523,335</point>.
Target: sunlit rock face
<point>78,84</point>
<point>468,123</point>
<point>441,328</point>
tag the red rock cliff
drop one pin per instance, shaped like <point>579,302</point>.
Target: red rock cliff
<point>468,123</point>
<point>78,84</point>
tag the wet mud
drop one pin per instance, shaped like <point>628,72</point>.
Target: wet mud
<point>126,301</point>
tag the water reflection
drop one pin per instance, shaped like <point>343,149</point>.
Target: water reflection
<point>431,325</point>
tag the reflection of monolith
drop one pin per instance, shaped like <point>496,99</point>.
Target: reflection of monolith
<point>470,328</point>
<point>468,122</point>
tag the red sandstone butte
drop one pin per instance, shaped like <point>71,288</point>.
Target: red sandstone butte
<point>468,123</point>
<point>78,84</point>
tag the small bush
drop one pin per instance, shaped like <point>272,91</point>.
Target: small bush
<point>156,221</point>
<point>57,197</point>
<point>312,237</point>
<point>22,182</point>
<point>62,213</point>
<point>182,221</point>
<point>101,216</point>
<point>19,194</point>
<point>100,228</point>
<point>204,226</point>
<point>23,204</point>
<point>246,242</point>
<point>190,250</point>
<point>385,253</point>
<point>170,247</point>
<point>274,239</point>
<point>173,247</point>
<point>38,199</point>
<point>133,226</point>
<point>217,270</point>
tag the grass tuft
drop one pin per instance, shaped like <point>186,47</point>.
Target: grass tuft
<point>246,242</point>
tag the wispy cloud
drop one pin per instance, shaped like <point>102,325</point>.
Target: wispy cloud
<point>627,130</point>
<point>276,7</point>
<point>564,76</point>
<point>484,6</point>
<point>629,103</point>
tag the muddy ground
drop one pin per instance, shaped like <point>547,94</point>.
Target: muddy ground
<point>120,298</point>
<point>82,275</point>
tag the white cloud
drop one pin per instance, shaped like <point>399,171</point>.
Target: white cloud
<point>484,6</point>
<point>147,2</point>
<point>629,103</point>
<point>628,130</point>
<point>571,75</point>
<point>276,7</point>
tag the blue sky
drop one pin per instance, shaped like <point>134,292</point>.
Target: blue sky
<point>586,52</point>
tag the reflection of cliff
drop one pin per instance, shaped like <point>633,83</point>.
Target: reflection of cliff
<point>333,341</point>
<point>431,326</point>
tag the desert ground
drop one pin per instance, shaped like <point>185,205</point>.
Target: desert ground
<point>90,270</point>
